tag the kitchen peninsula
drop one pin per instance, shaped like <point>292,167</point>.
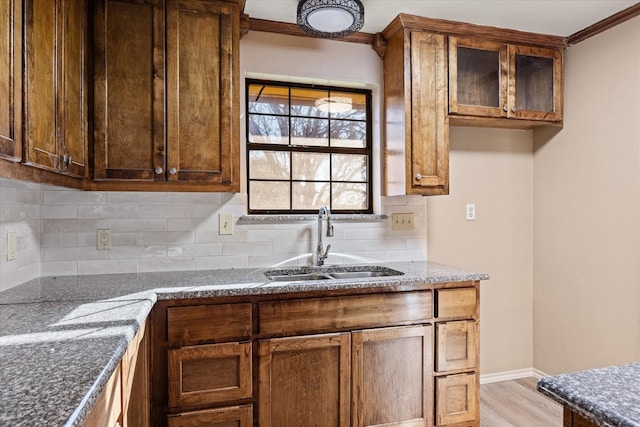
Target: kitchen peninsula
<point>64,339</point>
<point>598,397</point>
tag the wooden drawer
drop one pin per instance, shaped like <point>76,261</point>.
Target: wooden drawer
<point>456,345</point>
<point>456,303</point>
<point>343,313</point>
<point>209,374</point>
<point>220,322</point>
<point>108,409</point>
<point>237,416</point>
<point>456,399</point>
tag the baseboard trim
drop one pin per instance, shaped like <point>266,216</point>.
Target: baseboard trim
<point>511,375</point>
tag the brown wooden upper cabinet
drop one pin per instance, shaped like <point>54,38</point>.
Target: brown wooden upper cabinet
<point>499,80</point>
<point>55,98</point>
<point>11,79</point>
<point>200,92</point>
<point>416,124</point>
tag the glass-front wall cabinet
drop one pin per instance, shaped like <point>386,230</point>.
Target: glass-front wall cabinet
<point>491,79</point>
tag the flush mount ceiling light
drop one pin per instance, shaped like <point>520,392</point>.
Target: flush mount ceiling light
<point>330,18</point>
<point>334,104</point>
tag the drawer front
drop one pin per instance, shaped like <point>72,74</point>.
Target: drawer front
<point>342,313</point>
<point>456,303</point>
<point>235,416</point>
<point>456,399</point>
<point>209,322</point>
<point>209,374</point>
<point>456,345</point>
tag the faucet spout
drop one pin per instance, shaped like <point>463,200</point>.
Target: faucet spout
<point>321,253</point>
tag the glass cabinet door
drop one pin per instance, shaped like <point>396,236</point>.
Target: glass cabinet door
<point>477,77</point>
<point>535,89</point>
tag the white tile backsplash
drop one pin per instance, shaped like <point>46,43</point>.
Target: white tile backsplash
<point>178,231</point>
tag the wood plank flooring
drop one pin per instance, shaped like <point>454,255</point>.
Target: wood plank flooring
<point>517,403</point>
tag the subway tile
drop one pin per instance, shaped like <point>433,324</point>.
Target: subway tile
<point>221,262</point>
<point>271,235</point>
<point>256,248</point>
<point>59,268</point>
<point>212,236</point>
<point>136,198</point>
<point>195,250</point>
<point>166,264</point>
<point>166,238</point>
<point>139,225</point>
<point>194,199</point>
<point>169,211</point>
<point>59,240</point>
<point>73,254</point>
<point>109,211</point>
<point>107,266</point>
<point>60,212</point>
<point>74,197</point>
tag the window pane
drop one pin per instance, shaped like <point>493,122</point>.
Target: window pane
<point>303,102</point>
<point>310,167</point>
<point>348,134</point>
<point>358,109</point>
<point>269,164</point>
<point>349,197</point>
<point>268,129</point>
<point>310,195</point>
<point>309,132</point>
<point>268,99</point>
<point>534,83</point>
<point>269,195</point>
<point>349,167</point>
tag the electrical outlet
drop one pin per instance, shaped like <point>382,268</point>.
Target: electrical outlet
<point>103,239</point>
<point>12,246</point>
<point>471,212</point>
<point>402,221</point>
<point>225,225</point>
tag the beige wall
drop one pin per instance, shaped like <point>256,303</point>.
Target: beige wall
<point>587,211</point>
<point>491,168</point>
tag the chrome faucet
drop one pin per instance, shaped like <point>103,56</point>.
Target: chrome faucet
<point>321,253</point>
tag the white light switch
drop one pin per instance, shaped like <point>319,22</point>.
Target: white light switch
<point>226,224</point>
<point>471,212</point>
<point>402,221</point>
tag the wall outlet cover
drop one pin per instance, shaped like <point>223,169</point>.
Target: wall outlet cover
<point>103,240</point>
<point>12,246</point>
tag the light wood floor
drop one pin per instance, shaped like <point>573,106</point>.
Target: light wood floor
<point>517,403</point>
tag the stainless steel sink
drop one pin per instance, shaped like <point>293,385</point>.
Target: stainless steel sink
<point>330,273</point>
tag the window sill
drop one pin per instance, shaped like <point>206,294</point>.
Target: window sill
<point>279,219</point>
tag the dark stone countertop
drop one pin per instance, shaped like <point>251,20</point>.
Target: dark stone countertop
<point>607,396</point>
<point>61,338</point>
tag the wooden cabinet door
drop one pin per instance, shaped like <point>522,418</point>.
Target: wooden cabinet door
<point>209,374</point>
<point>11,79</point>
<point>235,416</point>
<point>457,399</point>
<point>202,92</point>
<point>304,381</point>
<point>477,77</point>
<point>535,83</point>
<point>55,95</point>
<point>392,377</point>
<point>429,154</point>
<point>136,401</point>
<point>456,346</point>
<point>129,90</point>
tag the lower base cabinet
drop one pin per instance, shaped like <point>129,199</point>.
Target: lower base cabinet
<point>396,359</point>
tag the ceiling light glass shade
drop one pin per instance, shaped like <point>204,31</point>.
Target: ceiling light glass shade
<point>334,104</point>
<point>330,18</point>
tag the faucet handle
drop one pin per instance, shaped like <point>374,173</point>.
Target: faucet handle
<point>330,231</point>
<point>326,252</point>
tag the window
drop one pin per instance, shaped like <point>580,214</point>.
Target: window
<point>308,146</point>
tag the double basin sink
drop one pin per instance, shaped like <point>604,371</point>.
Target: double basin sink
<point>330,273</point>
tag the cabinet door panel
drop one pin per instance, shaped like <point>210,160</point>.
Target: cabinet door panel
<point>457,399</point>
<point>535,90</point>
<point>40,80</point>
<point>429,122</point>
<point>456,346</point>
<point>392,371</point>
<point>11,79</point>
<point>129,79</point>
<point>304,381</point>
<point>477,77</point>
<point>206,374</point>
<point>72,99</point>
<point>199,127</point>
